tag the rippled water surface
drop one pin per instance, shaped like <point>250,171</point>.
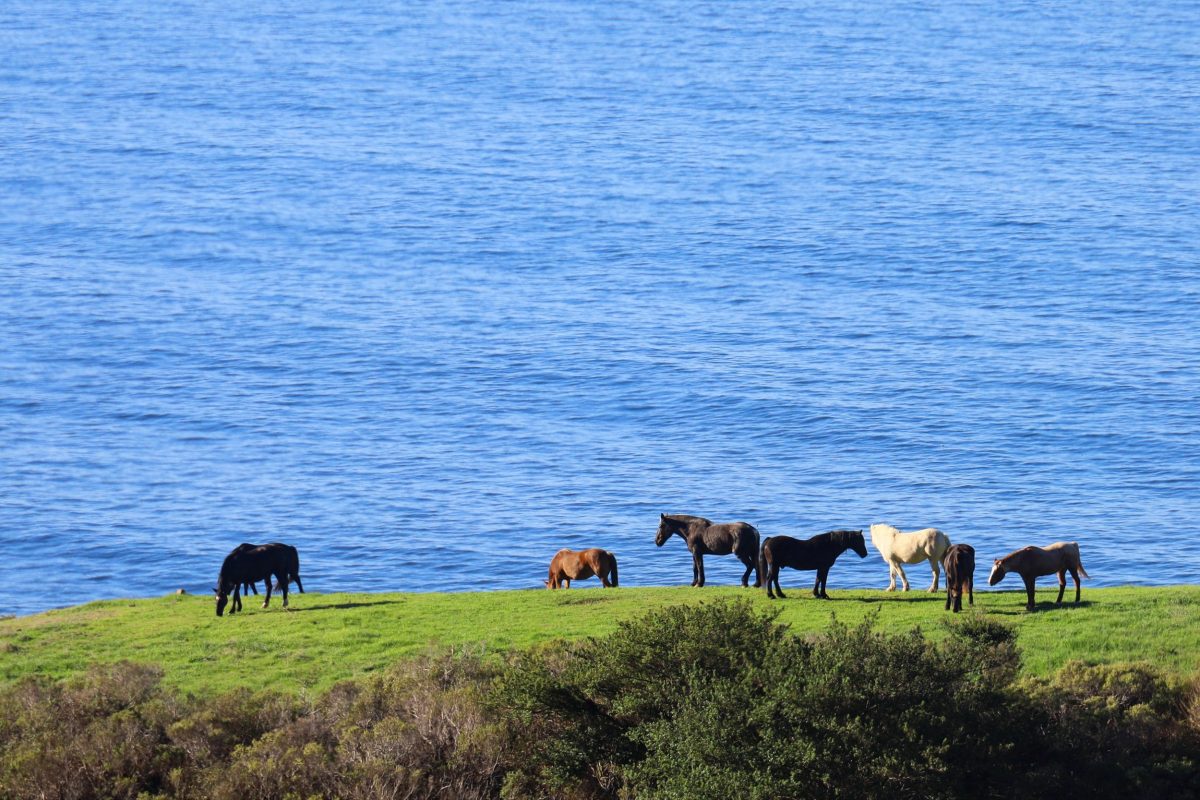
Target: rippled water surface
<point>430,290</point>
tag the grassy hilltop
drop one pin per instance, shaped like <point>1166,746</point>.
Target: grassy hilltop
<point>326,638</point>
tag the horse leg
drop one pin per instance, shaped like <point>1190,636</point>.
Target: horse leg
<point>1030,605</point>
<point>937,573</point>
<point>1062,585</point>
<point>1075,576</point>
<point>267,601</point>
<point>903,577</point>
<point>746,575</point>
<point>971,590</point>
<point>283,581</point>
<point>891,587</point>
<point>237,600</point>
<point>822,580</point>
<point>949,593</point>
<point>698,558</point>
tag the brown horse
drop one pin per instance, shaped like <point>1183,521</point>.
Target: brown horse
<point>959,564</point>
<point>1033,562</point>
<point>569,565</point>
<point>702,536</point>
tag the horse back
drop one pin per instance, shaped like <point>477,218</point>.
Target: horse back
<point>1068,555</point>
<point>959,562</point>
<point>812,553</point>
<point>259,562</point>
<point>730,537</point>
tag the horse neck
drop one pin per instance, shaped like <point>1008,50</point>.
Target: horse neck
<point>1015,562</point>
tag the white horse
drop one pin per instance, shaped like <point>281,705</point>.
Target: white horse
<point>927,544</point>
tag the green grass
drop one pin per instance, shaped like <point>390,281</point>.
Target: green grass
<point>331,637</point>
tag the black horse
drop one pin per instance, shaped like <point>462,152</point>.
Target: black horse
<point>249,563</point>
<point>702,536</point>
<point>817,553</point>
<point>959,564</point>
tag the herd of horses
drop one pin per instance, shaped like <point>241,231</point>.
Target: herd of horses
<point>766,558</point>
<point>247,563</point>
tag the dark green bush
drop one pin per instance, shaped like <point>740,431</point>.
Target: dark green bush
<point>716,701</point>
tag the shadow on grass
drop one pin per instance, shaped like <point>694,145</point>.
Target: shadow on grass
<point>1017,609</point>
<point>352,604</point>
<point>909,597</point>
<point>580,600</point>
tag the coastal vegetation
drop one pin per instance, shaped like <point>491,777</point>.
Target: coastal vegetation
<point>714,697</point>
<point>327,638</point>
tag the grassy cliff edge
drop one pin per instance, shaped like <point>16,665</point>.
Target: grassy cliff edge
<point>326,638</point>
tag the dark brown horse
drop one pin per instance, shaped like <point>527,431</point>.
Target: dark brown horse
<point>248,563</point>
<point>1033,562</point>
<point>817,553</point>
<point>703,537</point>
<point>569,565</point>
<point>959,565</point>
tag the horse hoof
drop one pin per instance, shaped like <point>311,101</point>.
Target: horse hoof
<point>264,605</point>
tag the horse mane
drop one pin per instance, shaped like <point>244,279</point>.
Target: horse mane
<point>843,536</point>
<point>687,519</point>
<point>684,517</point>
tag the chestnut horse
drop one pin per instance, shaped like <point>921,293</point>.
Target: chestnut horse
<point>959,563</point>
<point>1033,562</point>
<point>569,565</point>
<point>817,553</point>
<point>702,536</point>
<point>897,548</point>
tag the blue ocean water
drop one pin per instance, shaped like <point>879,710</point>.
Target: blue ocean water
<point>430,290</point>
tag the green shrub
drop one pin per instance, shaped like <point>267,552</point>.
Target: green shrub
<point>718,700</point>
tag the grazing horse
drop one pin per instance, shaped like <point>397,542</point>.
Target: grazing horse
<point>1033,562</point>
<point>817,553</point>
<point>927,544</point>
<point>959,563</point>
<point>253,563</point>
<point>702,536</point>
<point>570,565</point>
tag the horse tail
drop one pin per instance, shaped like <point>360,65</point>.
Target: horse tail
<point>614,569</point>
<point>763,570</point>
<point>1078,560</point>
<point>293,567</point>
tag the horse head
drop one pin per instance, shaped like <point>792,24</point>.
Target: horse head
<point>856,543</point>
<point>666,527</point>
<point>998,572</point>
<point>222,593</point>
